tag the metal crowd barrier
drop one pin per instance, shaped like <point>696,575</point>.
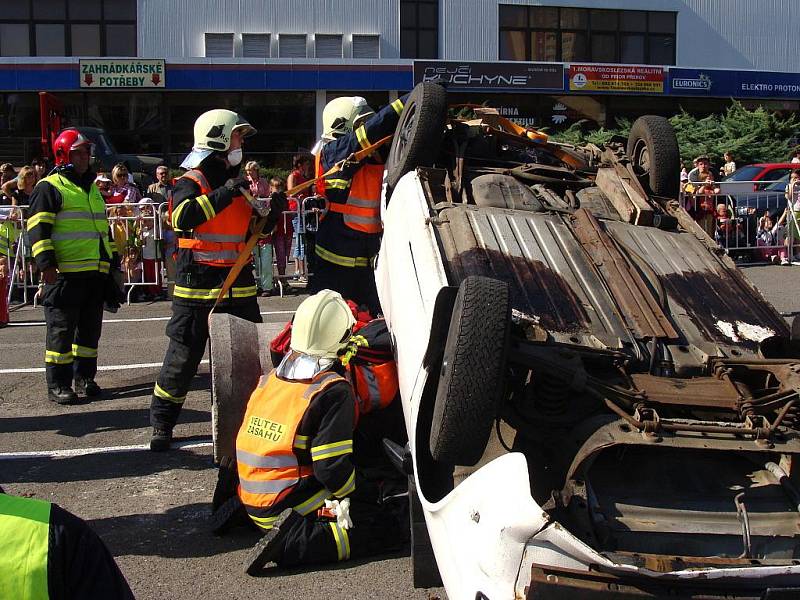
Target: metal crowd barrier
<point>128,220</point>
<point>752,227</point>
<point>304,209</point>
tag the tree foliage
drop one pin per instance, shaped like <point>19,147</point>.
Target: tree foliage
<point>752,136</point>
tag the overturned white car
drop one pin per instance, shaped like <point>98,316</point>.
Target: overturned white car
<point>598,403</point>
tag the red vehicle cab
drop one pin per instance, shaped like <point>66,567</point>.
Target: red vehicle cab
<point>742,180</point>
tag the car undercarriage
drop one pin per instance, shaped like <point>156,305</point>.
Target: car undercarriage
<point>591,326</point>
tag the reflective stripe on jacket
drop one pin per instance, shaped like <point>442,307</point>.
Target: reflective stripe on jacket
<point>265,446</point>
<point>220,240</point>
<point>24,543</point>
<point>362,211</point>
<point>79,228</point>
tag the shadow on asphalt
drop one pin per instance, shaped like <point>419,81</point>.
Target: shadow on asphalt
<point>80,424</point>
<point>273,571</point>
<point>145,388</point>
<point>180,532</point>
<point>91,467</point>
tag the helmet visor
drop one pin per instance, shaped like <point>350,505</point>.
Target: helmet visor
<point>297,365</point>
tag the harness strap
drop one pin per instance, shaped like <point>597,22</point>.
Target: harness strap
<point>244,255</point>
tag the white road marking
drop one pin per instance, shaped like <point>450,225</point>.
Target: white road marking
<point>187,445</point>
<point>101,368</point>
<point>141,320</point>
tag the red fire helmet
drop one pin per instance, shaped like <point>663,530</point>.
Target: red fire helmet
<point>68,140</point>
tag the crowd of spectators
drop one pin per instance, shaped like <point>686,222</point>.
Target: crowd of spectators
<point>142,232</point>
<point>755,229</point>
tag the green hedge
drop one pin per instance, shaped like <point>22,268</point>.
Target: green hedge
<point>753,136</point>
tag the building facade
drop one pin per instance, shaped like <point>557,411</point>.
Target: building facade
<point>144,69</point>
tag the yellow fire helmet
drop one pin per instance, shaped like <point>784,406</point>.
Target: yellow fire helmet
<point>341,115</point>
<point>212,133</point>
<point>322,325</point>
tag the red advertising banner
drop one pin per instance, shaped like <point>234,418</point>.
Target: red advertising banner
<point>616,78</point>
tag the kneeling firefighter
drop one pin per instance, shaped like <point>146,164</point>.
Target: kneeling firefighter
<point>211,219</point>
<point>294,452</point>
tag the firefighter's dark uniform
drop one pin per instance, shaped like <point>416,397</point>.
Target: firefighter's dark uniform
<point>294,451</point>
<point>68,230</point>
<point>349,236</point>
<point>48,553</point>
<point>211,223</point>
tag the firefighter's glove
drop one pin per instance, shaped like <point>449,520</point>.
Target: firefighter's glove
<point>341,510</point>
<point>231,189</point>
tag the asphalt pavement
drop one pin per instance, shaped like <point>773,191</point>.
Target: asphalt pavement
<point>152,509</point>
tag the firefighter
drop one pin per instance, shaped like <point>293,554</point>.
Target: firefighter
<point>294,452</point>
<point>72,245</point>
<point>348,238</point>
<point>8,235</point>
<point>211,218</point>
<point>47,552</point>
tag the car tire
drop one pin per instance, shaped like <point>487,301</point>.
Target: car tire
<point>471,375</point>
<point>424,570</point>
<point>418,133</point>
<point>653,150</point>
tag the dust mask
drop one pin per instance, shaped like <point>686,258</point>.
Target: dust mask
<point>235,157</point>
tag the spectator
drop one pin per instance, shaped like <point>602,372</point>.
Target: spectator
<point>701,171</point>
<point>7,172</point>
<point>122,186</point>
<point>301,173</point>
<point>19,190</point>
<point>795,157</point>
<point>161,190</point>
<point>770,237</point>
<point>790,216</point>
<point>39,168</point>
<point>262,252</point>
<point>728,232</point>
<point>729,168</point>
<point>147,240</point>
<point>704,203</point>
<point>282,235</point>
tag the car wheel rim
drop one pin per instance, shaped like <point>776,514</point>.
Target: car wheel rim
<point>641,157</point>
<point>407,130</point>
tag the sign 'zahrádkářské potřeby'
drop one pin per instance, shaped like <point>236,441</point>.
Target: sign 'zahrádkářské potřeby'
<point>122,73</point>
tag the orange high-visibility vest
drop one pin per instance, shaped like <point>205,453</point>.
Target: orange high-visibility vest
<point>267,465</point>
<point>362,212</point>
<point>375,385</point>
<point>220,240</point>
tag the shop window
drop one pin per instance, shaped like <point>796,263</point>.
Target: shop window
<point>419,28</point>
<point>549,33</point>
<point>84,9</point>
<point>68,28</point>
<point>49,9</point>
<point>366,46</point>
<point>255,45</point>
<point>86,40</point>
<point>120,40</point>
<point>292,45</point>
<point>50,40</point>
<point>328,46</point>
<point>14,40</point>
<point>119,9</point>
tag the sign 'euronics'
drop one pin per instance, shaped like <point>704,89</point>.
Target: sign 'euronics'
<point>113,73</point>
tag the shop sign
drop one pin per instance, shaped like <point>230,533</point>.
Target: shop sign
<point>735,84</point>
<point>122,73</point>
<point>503,76</point>
<point>616,78</point>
